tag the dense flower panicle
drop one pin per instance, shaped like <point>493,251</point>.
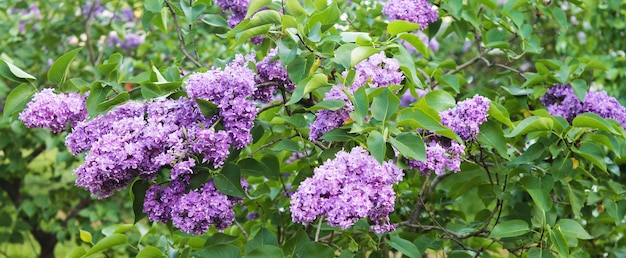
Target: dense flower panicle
<point>159,201</point>
<point>376,71</point>
<point>466,117</point>
<point>238,9</point>
<point>350,187</point>
<point>605,106</point>
<point>197,210</point>
<point>270,70</point>
<point>54,111</point>
<point>560,100</point>
<point>416,11</point>
<point>441,156</point>
<point>137,139</point>
<point>231,90</point>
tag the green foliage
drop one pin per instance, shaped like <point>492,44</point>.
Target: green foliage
<point>530,184</point>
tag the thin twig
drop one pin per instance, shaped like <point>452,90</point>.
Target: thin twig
<point>319,228</point>
<point>180,36</point>
<point>243,231</point>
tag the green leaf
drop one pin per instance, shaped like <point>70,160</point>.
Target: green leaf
<point>452,81</point>
<point>361,53</point>
<point>333,104</point>
<point>328,17</point>
<point>149,252</point>
<point>580,89</point>
<point>500,113</point>
<point>266,251</point>
<point>106,243</point>
<point>85,236</point>
<point>410,145</point>
<point>14,73</point>
<point>294,8</point>
<point>576,196</point>
<point>439,100</point>
<point>17,99</point>
<point>559,242</point>
<point>219,238</point>
<point>271,167</point>
<point>137,196</point>
<point>398,26</point>
<point>416,42</point>
<point>117,100</point>
<point>539,189</point>
<point>262,238</point>
<point>491,134</point>
<point>208,109</point>
<point>594,121</point>
<point>307,85</point>
<point>256,5</point>
<point>219,250</point>
<point>97,94</point>
<point>228,181</point>
<point>594,153</point>
<point>532,124</point>
<point>404,246</point>
<point>153,5</point>
<point>215,20</point>
<point>385,105</point>
<point>572,228</point>
<point>510,228</point>
<point>376,145</point>
<point>76,252</point>
<point>314,249</point>
<point>560,16</point>
<point>361,105</point>
<point>60,67</point>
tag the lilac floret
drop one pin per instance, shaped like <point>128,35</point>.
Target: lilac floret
<point>466,117</point>
<point>416,11</point>
<point>54,111</point>
<point>350,187</point>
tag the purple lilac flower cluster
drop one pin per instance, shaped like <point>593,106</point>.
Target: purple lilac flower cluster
<point>350,187</point>
<point>416,11</point>
<point>130,41</point>
<point>28,16</point>
<point>271,72</point>
<point>466,117</point>
<point>137,139</point>
<point>194,211</point>
<point>54,111</point>
<point>441,155</point>
<point>560,100</point>
<point>237,7</point>
<point>376,71</point>
<point>231,90</point>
